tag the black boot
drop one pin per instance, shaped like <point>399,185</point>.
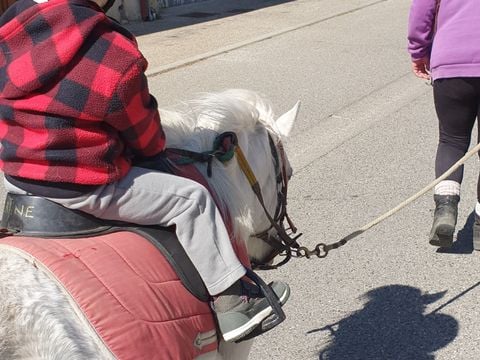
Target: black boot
<point>444,220</point>
<point>476,233</point>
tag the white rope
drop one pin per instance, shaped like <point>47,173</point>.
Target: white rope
<point>420,193</point>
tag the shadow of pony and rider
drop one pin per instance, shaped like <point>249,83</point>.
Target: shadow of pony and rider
<point>393,324</point>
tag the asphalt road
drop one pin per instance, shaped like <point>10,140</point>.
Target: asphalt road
<point>364,142</point>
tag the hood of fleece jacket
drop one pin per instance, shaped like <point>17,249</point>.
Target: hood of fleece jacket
<point>40,41</point>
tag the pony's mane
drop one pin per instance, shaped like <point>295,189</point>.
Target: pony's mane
<point>194,125</point>
<point>210,114</point>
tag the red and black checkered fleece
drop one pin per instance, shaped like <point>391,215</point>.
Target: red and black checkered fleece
<point>74,100</point>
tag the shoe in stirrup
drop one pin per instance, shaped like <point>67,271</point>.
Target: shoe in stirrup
<point>444,220</point>
<point>476,233</point>
<point>244,306</point>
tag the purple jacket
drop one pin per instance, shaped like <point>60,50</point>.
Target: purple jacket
<point>455,49</point>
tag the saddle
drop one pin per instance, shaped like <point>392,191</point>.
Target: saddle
<point>34,216</point>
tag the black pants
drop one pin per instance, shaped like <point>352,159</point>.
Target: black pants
<point>457,102</point>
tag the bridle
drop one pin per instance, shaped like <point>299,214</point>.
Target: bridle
<point>282,241</point>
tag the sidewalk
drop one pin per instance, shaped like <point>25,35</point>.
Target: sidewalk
<point>190,33</point>
<point>199,12</point>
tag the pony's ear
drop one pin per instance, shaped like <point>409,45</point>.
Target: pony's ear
<point>285,122</point>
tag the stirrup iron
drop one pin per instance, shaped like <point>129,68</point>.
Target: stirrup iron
<point>273,319</point>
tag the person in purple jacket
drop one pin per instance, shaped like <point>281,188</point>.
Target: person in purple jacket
<point>444,45</point>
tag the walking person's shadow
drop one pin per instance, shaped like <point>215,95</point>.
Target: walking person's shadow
<point>392,325</point>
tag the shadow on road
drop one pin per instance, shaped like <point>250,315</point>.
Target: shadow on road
<point>392,325</point>
<point>185,15</point>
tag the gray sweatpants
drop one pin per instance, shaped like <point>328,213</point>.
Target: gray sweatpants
<point>148,197</point>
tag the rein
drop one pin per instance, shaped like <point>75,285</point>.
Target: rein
<point>223,150</point>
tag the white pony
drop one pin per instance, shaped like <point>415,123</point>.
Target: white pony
<point>39,321</point>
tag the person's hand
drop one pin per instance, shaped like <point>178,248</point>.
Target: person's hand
<point>421,68</point>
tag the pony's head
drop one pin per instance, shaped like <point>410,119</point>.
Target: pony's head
<point>196,124</point>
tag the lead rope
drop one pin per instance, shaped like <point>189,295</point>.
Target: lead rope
<point>321,250</point>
